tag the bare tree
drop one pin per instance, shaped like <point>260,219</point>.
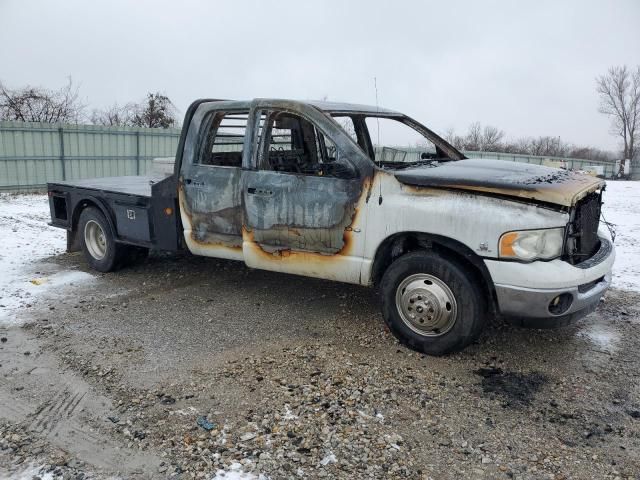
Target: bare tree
<point>456,140</point>
<point>491,138</point>
<point>478,138</point>
<point>450,135</point>
<point>520,145</point>
<point>37,104</point>
<point>589,153</point>
<point>157,111</point>
<point>619,92</point>
<point>547,146</point>
<point>473,139</point>
<point>113,115</point>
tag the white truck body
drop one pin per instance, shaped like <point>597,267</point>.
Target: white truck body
<point>300,188</point>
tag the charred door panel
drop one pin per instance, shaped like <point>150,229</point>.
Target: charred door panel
<point>299,212</point>
<point>304,190</point>
<point>213,202</point>
<point>304,225</point>
<point>211,180</point>
<point>303,195</point>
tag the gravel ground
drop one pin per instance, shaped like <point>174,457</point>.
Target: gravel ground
<point>186,367</point>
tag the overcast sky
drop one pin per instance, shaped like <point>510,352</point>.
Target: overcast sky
<point>527,67</point>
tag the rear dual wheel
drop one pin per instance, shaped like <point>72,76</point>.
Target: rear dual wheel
<point>432,303</point>
<point>100,249</point>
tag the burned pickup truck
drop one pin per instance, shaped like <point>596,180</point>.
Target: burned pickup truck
<point>362,195</point>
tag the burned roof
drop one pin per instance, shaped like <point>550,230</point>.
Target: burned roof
<point>330,107</point>
<point>340,107</point>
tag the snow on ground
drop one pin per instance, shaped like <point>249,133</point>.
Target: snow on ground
<point>25,238</point>
<point>602,336</point>
<point>235,473</point>
<point>29,474</point>
<point>622,208</point>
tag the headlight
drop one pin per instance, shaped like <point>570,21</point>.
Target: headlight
<point>532,244</point>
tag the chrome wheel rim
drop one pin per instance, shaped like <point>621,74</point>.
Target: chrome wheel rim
<point>95,239</point>
<point>426,305</point>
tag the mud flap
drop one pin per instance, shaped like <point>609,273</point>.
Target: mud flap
<point>73,241</point>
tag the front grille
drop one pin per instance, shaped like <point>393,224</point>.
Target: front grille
<point>585,228</point>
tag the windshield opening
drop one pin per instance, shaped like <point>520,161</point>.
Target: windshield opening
<point>396,142</point>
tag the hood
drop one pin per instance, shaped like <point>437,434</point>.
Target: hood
<point>522,180</point>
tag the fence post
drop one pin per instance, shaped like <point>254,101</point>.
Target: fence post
<point>62,163</point>
<point>137,152</point>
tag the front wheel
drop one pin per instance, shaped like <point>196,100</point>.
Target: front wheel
<point>432,303</point>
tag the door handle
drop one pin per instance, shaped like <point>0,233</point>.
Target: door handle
<point>259,191</point>
<point>195,183</point>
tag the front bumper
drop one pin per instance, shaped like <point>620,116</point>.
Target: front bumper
<point>525,292</point>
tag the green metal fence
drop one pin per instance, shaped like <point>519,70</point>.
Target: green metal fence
<point>32,154</point>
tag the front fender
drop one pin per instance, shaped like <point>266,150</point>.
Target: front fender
<point>475,220</point>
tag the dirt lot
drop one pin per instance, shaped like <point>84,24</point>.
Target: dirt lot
<point>186,367</point>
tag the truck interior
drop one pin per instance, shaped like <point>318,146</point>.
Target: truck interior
<point>291,144</point>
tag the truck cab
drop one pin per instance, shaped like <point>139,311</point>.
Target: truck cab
<point>363,195</point>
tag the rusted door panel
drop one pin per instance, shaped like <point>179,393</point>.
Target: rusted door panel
<point>299,212</point>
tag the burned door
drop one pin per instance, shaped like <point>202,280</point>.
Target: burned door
<point>211,182</point>
<point>301,202</point>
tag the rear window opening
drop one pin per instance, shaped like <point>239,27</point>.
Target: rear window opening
<point>224,142</point>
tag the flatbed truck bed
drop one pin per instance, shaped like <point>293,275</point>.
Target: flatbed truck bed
<point>141,210</point>
<point>130,185</point>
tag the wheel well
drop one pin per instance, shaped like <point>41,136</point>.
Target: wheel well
<point>401,243</point>
<point>73,240</point>
<point>81,205</point>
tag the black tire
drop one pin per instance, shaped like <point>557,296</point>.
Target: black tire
<point>114,253</point>
<point>460,284</point>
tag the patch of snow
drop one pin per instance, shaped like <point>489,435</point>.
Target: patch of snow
<point>185,413</point>
<point>329,458</point>
<point>622,208</point>
<point>248,436</point>
<point>28,474</point>
<point>602,337</point>
<point>26,238</point>
<point>288,414</point>
<point>234,472</point>
<point>377,415</point>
